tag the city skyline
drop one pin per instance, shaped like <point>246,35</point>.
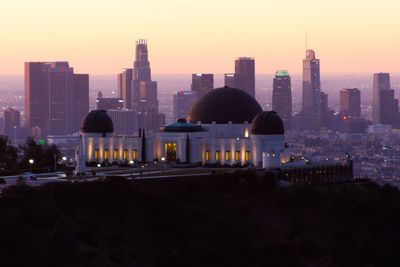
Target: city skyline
<point>98,39</point>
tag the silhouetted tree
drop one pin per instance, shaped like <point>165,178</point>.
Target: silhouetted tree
<point>8,154</point>
<point>43,155</point>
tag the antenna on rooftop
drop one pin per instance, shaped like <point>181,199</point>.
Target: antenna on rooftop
<point>306,42</point>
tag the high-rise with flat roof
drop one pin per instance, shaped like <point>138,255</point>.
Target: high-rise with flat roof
<point>183,101</point>
<point>202,83</point>
<point>61,99</point>
<point>385,108</point>
<point>37,95</point>
<point>12,122</point>
<point>56,99</point>
<point>245,68</point>
<point>125,91</point>
<point>81,98</point>
<point>350,102</point>
<point>282,96</point>
<point>233,80</point>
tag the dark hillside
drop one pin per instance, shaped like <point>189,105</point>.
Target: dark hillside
<point>223,221</point>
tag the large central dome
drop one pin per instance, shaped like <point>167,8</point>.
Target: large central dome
<point>223,105</point>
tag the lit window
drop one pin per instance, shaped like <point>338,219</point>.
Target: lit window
<point>125,155</point>
<point>227,155</point>
<point>247,156</point>
<point>106,153</point>
<point>96,154</point>
<point>237,155</point>
<point>135,154</point>
<point>207,155</point>
<point>115,154</point>
<point>217,155</point>
<point>246,133</point>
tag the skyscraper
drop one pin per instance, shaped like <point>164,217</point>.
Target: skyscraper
<point>282,96</point>
<point>202,83</point>
<point>56,99</point>
<point>81,98</point>
<point>311,90</point>
<point>326,114</point>
<point>37,95</point>
<point>141,65</point>
<point>61,105</point>
<point>385,108</point>
<point>144,91</point>
<point>350,102</point>
<point>233,80</point>
<point>183,100</point>
<point>12,123</point>
<point>125,91</point>
<point>245,67</point>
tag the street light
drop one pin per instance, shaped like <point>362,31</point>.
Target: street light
<point>98,165</point>
<point>163,164</point>
<point>31,161</point>
<point>131,163</point>
<point>64,158</point>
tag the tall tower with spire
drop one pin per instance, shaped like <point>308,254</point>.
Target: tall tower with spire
<point>311,90</point>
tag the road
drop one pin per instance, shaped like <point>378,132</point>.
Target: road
<point>146,173</point>
<point>43,178</point>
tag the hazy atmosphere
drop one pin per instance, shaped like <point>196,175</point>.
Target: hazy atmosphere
<point>98,37</point>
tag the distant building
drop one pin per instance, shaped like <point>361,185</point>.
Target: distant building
<point>36,133</point>
<point>233,80</point>
<point>311,91</point>
<point>81,98</point>
<point>125,121</point>
<point>202,83</point>
<point>326,113</point>
<point>141,65</point>
<point>350,102</point>
<point>148,96</point>
<point>379,128</point>
<point>385,108</point>
<point>182,101</point>
<point>12,123</point>
<point>37,95</point>
<point>145,94</point>
<point>245,67</point>
<point>52,101</point>
<point>350,124</point>
<point>106,103</point>
<point>125,90</point>
<point>282,96</point>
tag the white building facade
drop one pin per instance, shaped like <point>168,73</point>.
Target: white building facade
<point>225,127</point>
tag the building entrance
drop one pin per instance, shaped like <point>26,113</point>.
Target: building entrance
<point>170,151</point>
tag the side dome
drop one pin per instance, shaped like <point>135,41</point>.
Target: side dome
<point>223,105</point>
<point>97,121</point>
<point>267,123</point>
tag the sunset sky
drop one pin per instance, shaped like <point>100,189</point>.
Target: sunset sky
<point>185,36</point>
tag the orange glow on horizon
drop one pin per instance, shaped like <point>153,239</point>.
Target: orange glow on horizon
<point>184,36</point>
